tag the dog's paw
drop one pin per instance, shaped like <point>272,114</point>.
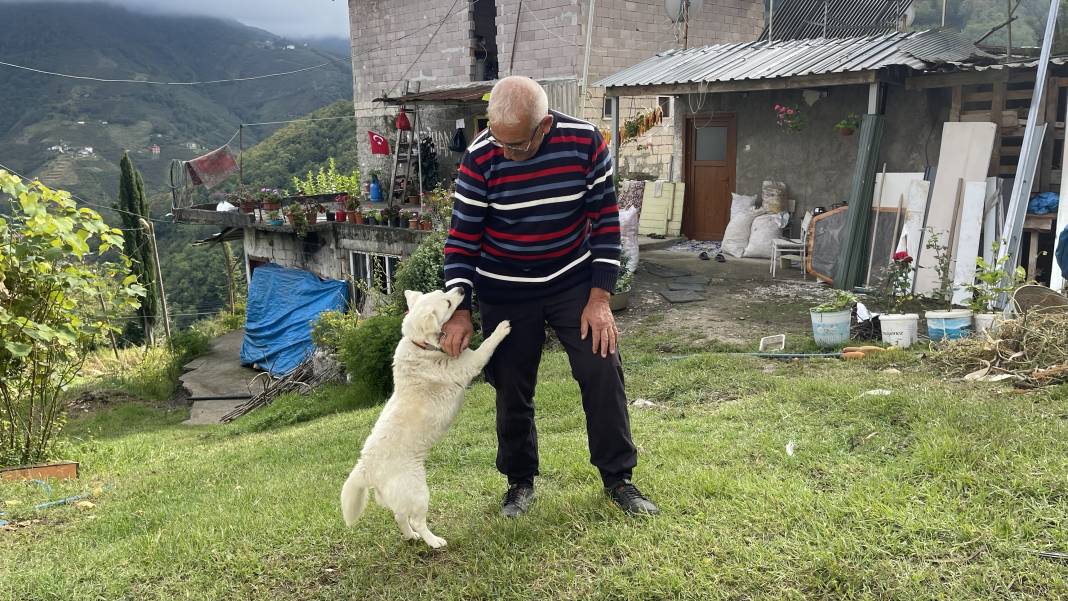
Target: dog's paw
<point>435,542</point>
<point>503,329</point>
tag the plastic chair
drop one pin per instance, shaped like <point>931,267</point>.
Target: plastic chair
<point>792,249</point>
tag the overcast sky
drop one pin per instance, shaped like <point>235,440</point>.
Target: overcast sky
<point>294,18</point>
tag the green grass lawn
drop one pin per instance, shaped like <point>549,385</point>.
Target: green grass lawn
<point>939,490</point>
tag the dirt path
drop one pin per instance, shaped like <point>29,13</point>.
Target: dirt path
<point>741,303</point>
<point>217,374</point>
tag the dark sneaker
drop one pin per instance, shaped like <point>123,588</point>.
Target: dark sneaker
<point>517,500</point>
<point>630,499</point>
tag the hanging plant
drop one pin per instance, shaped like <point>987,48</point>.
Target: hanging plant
<point>639,124</point>
<point>789,117</point>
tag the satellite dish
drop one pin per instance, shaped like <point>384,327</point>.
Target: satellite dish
<point>677,9</point>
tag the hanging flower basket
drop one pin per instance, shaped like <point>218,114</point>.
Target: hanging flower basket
<point>789,117</point>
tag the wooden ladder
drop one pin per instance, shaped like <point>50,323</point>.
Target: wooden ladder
<point>405,151</point>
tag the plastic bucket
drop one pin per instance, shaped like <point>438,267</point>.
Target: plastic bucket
<point>831,329</point>
<point>900,330</point>
<point>985,321</point>
<point>949,325</point>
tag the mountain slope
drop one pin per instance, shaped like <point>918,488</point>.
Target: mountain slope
<point>38,112</point>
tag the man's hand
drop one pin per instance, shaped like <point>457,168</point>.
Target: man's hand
<point>597,319</point>
<point>456,333</point>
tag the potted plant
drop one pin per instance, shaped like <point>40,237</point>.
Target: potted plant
<point>356,216</point>
<point>297,215</point>
<point>391,216</point>
<point>275,218</point>
<point>624,283</point>
<point>830,320</point>
<point>991,281</point>
<point>270,199</point>
<point>372,218</point>
<point>948,323</point>
<point>327,183</point>
<point>426,224</point>
<point>847,126</point>
<point>352,208</point>
<point>243,199</point>
<point>413,220</point>
<point>789,117</point>
<point>899,329</point>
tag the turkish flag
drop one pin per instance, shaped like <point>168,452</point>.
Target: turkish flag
<point>379,145</point>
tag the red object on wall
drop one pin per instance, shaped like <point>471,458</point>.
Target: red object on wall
<point>379,145</point>
<point>402,121</point>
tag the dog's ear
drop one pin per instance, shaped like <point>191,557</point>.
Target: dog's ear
<point>412,296</point>
<point>428,326</point>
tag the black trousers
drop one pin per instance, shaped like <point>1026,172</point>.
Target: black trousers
<point>513,372</point>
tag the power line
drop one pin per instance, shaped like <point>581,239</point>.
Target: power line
<point>79,198</point>
<point>160,83</point>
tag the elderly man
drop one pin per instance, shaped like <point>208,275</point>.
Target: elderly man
<point>535,231</point>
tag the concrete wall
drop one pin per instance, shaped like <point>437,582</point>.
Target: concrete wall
<point>626,32</point>
<point>549,43</point>
<point>817,162</point>
<point>326,248</point>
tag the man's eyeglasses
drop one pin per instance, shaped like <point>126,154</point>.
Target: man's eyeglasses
<point>515,147</point>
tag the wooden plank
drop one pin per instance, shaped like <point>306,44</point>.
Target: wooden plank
<point>970,229</point>
<point>201,216</point>
<point>1045,165</point>
<point>964,155</point>
<point>915,214</point>
<point>1009,118</point>
<point>997,109</point>
<point>954,107</point>
<point>990,96</point>
<point>63,470</point>
<point>947,80</point>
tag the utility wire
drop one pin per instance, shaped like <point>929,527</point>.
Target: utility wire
<point>159,83</point>
<point>79,198</point>
<point>427,45</point>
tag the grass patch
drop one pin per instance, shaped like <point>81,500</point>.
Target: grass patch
<point>939,490</point>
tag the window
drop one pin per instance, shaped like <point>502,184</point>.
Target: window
<point>374,271</point>
<point>665,103</point>
<point>607,110</point>
<point>711,143</point>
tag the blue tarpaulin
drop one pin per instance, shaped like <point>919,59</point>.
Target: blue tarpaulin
<point>282,306</point>
<point>1043,204</point>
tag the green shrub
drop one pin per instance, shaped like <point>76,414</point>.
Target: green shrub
<point>333,327</point>
<point>424,271</point>
<point>367,353</point>
<point>292,409</point>
<point>189,344</point>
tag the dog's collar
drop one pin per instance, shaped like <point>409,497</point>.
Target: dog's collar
<point>426,346</point>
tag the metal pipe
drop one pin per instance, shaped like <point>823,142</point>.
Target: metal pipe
<point>586,59</point>
<point>771,19</point>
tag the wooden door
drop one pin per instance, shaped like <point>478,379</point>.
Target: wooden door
<point>710,176</point>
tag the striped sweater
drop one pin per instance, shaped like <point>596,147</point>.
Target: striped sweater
<point>530,229</point>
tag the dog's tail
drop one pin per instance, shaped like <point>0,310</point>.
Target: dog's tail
<point>354,496</point>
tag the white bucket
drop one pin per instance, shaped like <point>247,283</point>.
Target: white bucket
<point>900,330</point>
<point>985,321</point>
<point>831,329</point>
<point>949,325</point>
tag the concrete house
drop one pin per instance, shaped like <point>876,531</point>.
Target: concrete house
<point>441,56</point>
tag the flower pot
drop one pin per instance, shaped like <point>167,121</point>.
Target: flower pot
<point>61,470</point>
<point>291,218</point>
<point>413,224</point>
<point>330,216</point>
<point>948,325</point>
<point>340,216</point>
<point>372,221</point>
<point>900,329</point>
<point>312,216</point>
<point>619,300</point>
<point>271,206</point>
<point>831,329</point>
<point>985,321</point>
<point>248,207</point>
<point>275,222</point>
<point>357,218</point>
<point>427,226</point>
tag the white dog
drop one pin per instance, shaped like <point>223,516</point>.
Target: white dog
<point>428,389</point>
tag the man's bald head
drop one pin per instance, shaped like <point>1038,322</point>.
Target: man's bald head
<point>517,101</point>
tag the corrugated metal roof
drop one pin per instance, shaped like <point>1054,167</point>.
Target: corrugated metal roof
<point>791,58</point>
<point>467,92</point>
<point>797,19</point>
<point>1019,64</point>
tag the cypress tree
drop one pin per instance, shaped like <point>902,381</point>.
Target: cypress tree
<point>133,206</point>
